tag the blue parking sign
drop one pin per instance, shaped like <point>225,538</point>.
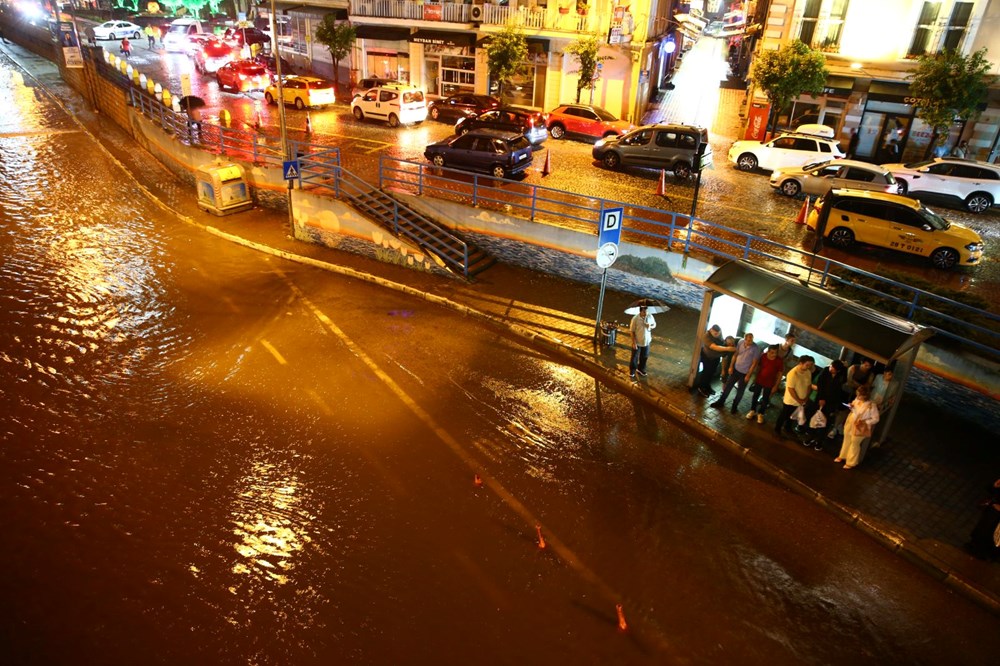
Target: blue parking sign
<point>611,226</point>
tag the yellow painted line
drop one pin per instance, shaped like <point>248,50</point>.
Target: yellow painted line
<point>556,544</point>
<point>274,352</point>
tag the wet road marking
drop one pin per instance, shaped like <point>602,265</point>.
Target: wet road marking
<point>274,352</point>
<point>555,543</point>
<point>11,135</point>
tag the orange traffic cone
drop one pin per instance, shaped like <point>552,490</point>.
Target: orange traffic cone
<point>661,190</point>
<point>541,539</point>
<point>477,482</point>
<point>803,212</point>
<point>622,625</point>
<point>547,169</point>
<point>309,124</point>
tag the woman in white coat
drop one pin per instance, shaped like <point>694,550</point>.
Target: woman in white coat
<point>861,420</point>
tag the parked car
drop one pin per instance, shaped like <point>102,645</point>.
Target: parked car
<point>673,147</point>
<point>955,182</point>
<point>521,119</point>
<point>366,84</point>
<point>496,152</point>
<point>248,35</point>
<point>785,150</point>
<point>461,106</point>
<point>395,103</point>
<point>178,33</point>
<point>586,121</point>
<point>213,55</point>
<point>117,30</point>
<point>900,223</point>
<point>302,91</point>
<point>821,177</point>
<point>267,61</point>
<point>242,76</point>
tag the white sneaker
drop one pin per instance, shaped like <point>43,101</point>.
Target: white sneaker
<point>751,414</point>
<point>760,418</point>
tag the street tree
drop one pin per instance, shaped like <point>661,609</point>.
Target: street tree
<point>338,37</point>
<point>950,86</point>
<point>786,73</point>
<point>505,55</point>
<point>586,53</point>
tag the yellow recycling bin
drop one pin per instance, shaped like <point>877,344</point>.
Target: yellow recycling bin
<point>222,188</point>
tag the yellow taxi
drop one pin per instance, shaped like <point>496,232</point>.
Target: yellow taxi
<point>303,91</point>
<point>844,216</point>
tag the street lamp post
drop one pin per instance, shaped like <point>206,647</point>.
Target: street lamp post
<point>285,153</point>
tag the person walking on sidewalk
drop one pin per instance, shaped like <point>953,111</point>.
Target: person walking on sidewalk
<point>984,542</point>
<point>745,360</point>
<point>770,370</point>
<point>640,331</point>
<point>798,385</point>
<point>712,349</point>
<point>126,47</point>
<point>858,428</point>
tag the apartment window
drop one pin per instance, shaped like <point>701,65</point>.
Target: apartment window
<point>822,24</point>
<point>957,25</point>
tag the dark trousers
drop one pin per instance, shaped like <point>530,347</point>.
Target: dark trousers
<point>737,379</point>
<point>638,360</point>
<point>709,369</point>
<point>152,41</point>
<point>784,418</point>
<point>760,397</point>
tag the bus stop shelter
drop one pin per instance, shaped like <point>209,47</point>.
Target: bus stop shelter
<point>845,325</point>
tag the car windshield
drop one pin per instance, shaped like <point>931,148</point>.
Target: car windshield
<point>520,143</point>
<point>937,222</point>
<point>918,165</point>
<point>815,165</point>
<point>178,29</point>
<point>252,70</point>
<point>412,97</point>
<point>319,85</point>
<point>603,115</point>
<point>216,49</point>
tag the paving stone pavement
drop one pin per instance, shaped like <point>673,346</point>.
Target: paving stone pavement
<point>916,494</point>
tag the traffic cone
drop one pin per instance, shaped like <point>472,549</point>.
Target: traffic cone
<point>661,190</point>
<point>309,124</point>
<point>477,482</point>
<point>547,169</point>
<point>622,625</point>
<point>256,120</point>
<point>541,539</point>
<point>803,212</point>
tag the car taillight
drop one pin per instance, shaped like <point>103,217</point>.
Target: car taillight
<point>243,77</point>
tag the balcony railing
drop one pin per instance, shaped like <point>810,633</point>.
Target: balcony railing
<point>537,18</point>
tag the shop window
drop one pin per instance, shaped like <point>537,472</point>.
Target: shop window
<point>458,74</point>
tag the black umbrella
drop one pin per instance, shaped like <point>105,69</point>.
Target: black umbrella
<point>189,102</point>
<point>653,306</point>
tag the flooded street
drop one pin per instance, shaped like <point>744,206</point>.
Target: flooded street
<point>212,456</point>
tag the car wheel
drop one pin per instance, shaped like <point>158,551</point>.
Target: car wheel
<point>557,131</point>
<point>299,104</point>
<point>393,120</point>
<point>218,79</point>
<point>498,171</point>
<point>944,257</point>
<point>842,237</point>
<point>358,113</point>
<point>746,162</point>
<point>136,35</point>
<point>268,97</point>
<point>112,36</point>
<point>682,170</point>
<point>979,202</point>
<point>438,160</point>
<point>611,159</point>
<point>790,188</point>
<point>435,114</point>
<point>462,129</point>
<point>903,187</point>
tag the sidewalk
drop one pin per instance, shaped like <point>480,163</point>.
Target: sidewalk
<point>916,494</point>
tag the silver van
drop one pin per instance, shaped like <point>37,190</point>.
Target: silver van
<point>673,147</point>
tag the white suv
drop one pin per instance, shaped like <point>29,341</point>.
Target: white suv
<point>973,185</point>
<point>786,150</point>
<point>395,103</point>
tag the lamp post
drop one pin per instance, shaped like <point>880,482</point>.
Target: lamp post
<point>285,153</point>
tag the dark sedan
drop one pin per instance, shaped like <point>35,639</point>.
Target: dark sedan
<point>527,121</point>
<point>461,106</point>
<point>496,152</point>
<point>266,60</point>
<point>241,36</point>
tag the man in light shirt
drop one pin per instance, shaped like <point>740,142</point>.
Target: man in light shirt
<point>798,385</point>
<point>640,330</point>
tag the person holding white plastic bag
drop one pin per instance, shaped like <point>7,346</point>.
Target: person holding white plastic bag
<point>798,386</point>
<point>861,420</point>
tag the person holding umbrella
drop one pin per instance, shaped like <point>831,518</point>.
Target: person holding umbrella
<point>640,332</point>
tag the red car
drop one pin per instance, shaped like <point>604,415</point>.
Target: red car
<point>242,76</point>
<point>586,121</point>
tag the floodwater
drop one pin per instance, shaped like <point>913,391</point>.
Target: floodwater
<point>209,456</point>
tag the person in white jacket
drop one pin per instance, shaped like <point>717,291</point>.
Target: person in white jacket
<point>640,331</point>
<point>861,420</point>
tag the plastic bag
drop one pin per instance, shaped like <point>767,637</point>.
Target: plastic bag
<point>800,415</point>
<point>818,420</point>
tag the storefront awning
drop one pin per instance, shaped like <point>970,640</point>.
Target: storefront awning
<point>869,332</point>
<point>838,86</point>
<point>886,91</point>
<point>688,31</point>
<point>310,10</point>
<point>388,34</point>
<point>733,29</point>
<point>443,37</point>
<point>695,22</point>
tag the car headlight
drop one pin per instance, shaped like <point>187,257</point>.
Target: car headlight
<point>975,247</point>
<point>600,143</point>
<point>775,175</point>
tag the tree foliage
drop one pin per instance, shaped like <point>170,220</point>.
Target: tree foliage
<point>505,55</point>
<point>338,38</point>
<point>585,51</point>
<point>788,72</point>
<point>949,85</point>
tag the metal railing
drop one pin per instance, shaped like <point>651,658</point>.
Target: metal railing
<point>654,227</point>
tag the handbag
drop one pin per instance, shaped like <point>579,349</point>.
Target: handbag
<point>818,420</point>
<point>862,429</point>
<point>800,415</point>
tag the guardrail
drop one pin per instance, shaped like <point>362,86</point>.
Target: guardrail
<point>962,323</point>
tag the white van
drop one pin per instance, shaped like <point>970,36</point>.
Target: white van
<point>176,37</point>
